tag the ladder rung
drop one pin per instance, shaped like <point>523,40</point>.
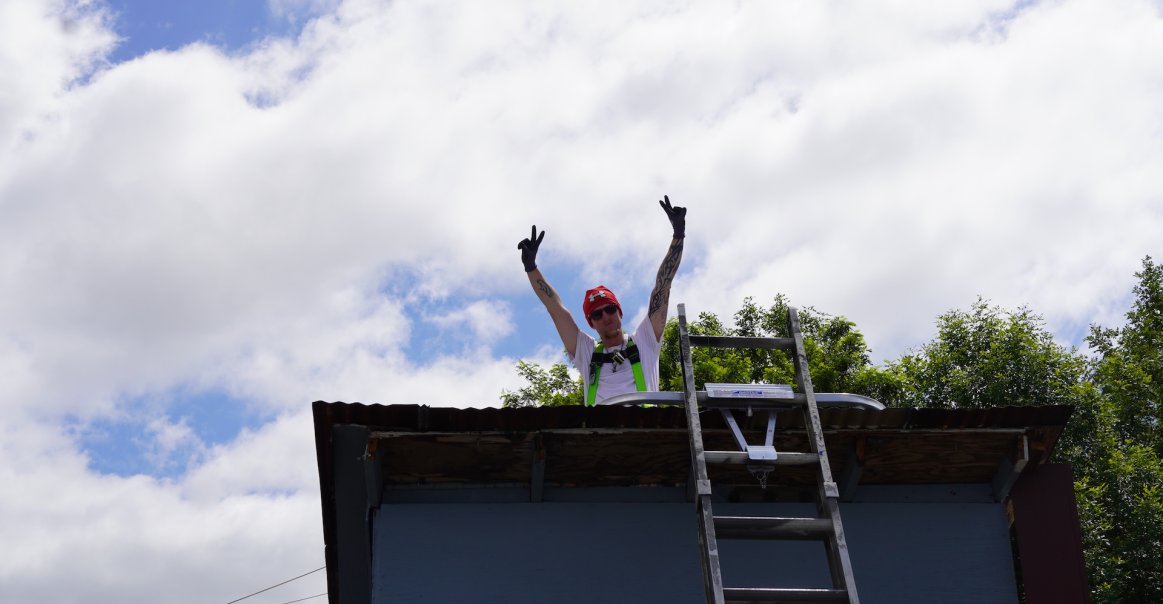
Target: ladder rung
<point>741,458</point>
<point>768,595</point>
<point>744,527</point>
<point>742,342</point>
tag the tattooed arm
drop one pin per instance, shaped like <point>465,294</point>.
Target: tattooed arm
<point>562,320</point>
<point>566,326</point>
<point>660,296</point>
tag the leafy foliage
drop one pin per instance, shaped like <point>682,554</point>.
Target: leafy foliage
<point>988,357</point>
<point>1129,367</point>
<point>551,387</point>
<point>838,356</point>
<point>1120,468</point>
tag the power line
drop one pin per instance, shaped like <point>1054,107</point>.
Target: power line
<point>278,584</point>
<point>306,598</point>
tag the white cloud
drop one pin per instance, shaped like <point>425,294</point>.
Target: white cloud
<point>140,539</point>
<point>280,457</point>
<point>169,439</point>
<point>45,48</point>
<point>1014,167</point>
<point>486,320</point>
<point>281,224</point>
<point>293,10</point>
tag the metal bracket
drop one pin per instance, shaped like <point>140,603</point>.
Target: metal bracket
<point>765,452</point>
<point>761,453</point>
<point>761,473</point>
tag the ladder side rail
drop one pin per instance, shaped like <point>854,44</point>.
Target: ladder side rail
<point>828,498</point>
<point>709,545</point>
<point>709,551</point>
<point>836,548</point>
<point>694,425</point>
<point>804,383</point>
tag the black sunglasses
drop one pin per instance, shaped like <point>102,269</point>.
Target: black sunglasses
<point>608,309</point>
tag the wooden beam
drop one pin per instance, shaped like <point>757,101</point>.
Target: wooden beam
<point>1010,469</point>
<point>537,470</point>
<point>853,468</point>
<point>353,533</point>
<point>381,434</point>
<point>373,473</point>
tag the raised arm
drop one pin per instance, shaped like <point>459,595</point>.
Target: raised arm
<point>660,296</point>
<point>562,320</point>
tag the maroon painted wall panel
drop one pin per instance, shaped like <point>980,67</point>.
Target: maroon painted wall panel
<point>1049,536</point>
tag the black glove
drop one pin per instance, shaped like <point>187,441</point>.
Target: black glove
<point>676,215</point>
<point>528,249</point>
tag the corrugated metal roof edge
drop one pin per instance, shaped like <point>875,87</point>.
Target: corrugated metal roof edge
<point>423,418</point>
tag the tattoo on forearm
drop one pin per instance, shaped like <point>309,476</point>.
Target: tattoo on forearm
<point>544,287</point>
<point>660,297</point>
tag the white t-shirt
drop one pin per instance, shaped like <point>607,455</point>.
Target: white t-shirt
<point>612,380</point>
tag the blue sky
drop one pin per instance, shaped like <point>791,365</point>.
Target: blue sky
<point>193,268</point>
<point>146,26</point>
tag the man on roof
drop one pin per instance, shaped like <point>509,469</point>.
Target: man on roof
<point>616,363</point>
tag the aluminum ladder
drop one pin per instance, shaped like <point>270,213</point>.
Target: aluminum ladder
<point>825,527</point>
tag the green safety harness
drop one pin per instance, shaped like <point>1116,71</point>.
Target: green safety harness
<point>599,357</point>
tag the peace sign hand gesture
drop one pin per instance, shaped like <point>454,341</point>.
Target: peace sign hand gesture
<point>677,216</point>
<point>528,249</point>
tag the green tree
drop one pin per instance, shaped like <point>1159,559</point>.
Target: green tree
<point>1120,468</point>
<point>710,365</point>
<point>1129,364</point>
<point>1120,507</point>
<point>838,356</point>
<point>987,357</point>
<point>552,387</point>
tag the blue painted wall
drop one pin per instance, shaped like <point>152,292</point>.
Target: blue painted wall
<point>906,545</point>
